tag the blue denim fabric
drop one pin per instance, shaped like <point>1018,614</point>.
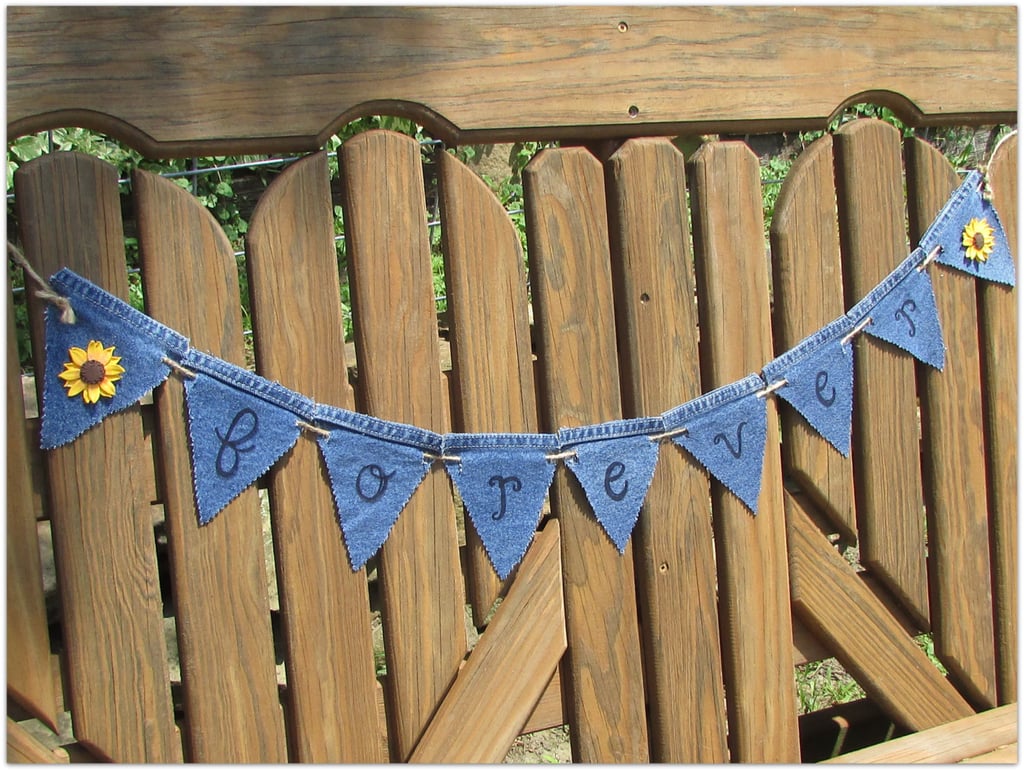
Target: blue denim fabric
<point>819,381</point>
<point>902,310</point>
<point>240,425</point>
<point>374,467</point>
<point>726,431</point>
<point>966,203</point>
<point>140,341</point>
<point>503,480</point>
<point>614,463</point>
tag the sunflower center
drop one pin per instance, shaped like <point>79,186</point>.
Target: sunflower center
<point>93,372</point>
<point>978,241</point>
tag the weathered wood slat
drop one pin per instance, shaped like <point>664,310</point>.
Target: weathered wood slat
<point>508,671</point>
<point>222,610</point>
<point>673,543</point>
<point>29,674</point>
<point>399,379</point>
<point>520,73</point>
<point>857,627</point>
<point>492,359</point>
<point>808,294</point>
<point>753,582</point>
<point>574,326</point>
<point>953,453</point>
<point>951,743</point>
<point>119,694</point>
<point>23,747</point>
<point>295,292</point>
<point>997,309</point>
<point>886,455</point>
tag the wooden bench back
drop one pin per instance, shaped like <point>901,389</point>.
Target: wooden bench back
<point>649,284</point>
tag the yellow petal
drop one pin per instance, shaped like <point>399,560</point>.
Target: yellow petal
<point>106,355</point>
<point>78,356</point>
<point>71,372</point>
<point>107,388</point>
<point>75,388</point>
<point>95,350</point>
<point>91,394</point>
<point>114,370</point>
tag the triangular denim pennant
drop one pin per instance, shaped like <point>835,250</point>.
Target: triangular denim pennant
<point>902,312</point>
<point>818,376</point>
<point>104,362</point>
<point>726,431</point>
<point>614,463</point>
<point>239,426</point>
<point>503,480</point>
<point>374,467</point>
<point>970,235</point>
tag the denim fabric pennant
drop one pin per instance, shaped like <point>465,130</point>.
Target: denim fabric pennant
<point>503,480</point>
<point>726,431</point>
<point>239,426</point>
<point>614,463</point>
<point>970,235</point>
<point>374,467</point>
<point>818,377</point>
<point>902,312</point>
<point>104,362</point>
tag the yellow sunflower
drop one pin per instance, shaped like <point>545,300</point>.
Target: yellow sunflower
<point>979,239</point>
<point>91,372</point>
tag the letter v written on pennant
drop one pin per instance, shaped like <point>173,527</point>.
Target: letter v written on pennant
<point>818,381</point>
<point>503,480</point>
<point>239,426</point>
<point>726,431</point>
<point>614,462</point>
<point>105,361</point>
<point>903,312</point>
<point>374,467</point>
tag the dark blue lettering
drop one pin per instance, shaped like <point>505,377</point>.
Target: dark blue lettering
<point>736,451</point>
<point>502,483</point>
<point>376,474</point>
<point>235,444</point>
<point>820,384</point>
<point>908,305</point>
<point>614,473</point>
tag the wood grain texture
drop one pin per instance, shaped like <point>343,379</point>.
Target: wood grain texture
<point>957,741</point>
<point>395,330</point>
<point>808,294</point>
<point>574,321</point>
<point>23,747</point>
<point>753,583</point>
<point>30,679</point>
<point>117,679</point>
<point>652,270</point>
<point>492,357</point>
<point>886,456</point>
<point>295,292</point>
<point>508,670</point>
<point>997,308</point>
<point>291,76</point>
<point>953,454</point>
<point>225,643</point>
<point>858,629</point>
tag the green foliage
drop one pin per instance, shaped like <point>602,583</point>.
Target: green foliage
<point>821,684</point>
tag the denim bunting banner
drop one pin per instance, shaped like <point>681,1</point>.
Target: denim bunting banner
<point>818,376</point>
<point>614,462</point>
<point>239,426</point>
<point>970,235</point>
<point>902,312</point>
<point>726,431</point>
<point>374,467</point>
<point>503,480</point>
<point>104,362</point>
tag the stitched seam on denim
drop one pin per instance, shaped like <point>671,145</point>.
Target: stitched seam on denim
<point>807,348</point>
<point>720,397</point>
<point>498,441</point>
<point>954,203</point>
<point>75,286</point>
<point>888,284</point>
<point>379,428</point>
<point>251,383</point>
<point>613,429</point>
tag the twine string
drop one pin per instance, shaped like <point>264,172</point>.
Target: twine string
<point>45,292</point>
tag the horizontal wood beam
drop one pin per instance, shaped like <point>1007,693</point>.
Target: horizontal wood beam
<point>175,81</point>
